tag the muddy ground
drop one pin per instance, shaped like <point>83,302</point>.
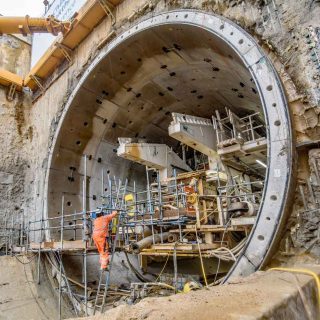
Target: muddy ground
<point>264,295</point>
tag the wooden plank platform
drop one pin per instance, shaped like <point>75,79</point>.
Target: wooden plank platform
<point>56,245</point>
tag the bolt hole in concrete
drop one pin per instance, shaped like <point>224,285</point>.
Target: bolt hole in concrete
<point>277,123</point>
<point>178,136</point>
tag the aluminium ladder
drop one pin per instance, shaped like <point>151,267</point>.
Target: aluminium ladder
<point>104,279</point>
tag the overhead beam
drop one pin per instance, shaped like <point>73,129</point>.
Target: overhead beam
<point>197,133</point>
<point>89,16</point>
<point>154,155</point>
<point>27,25</point>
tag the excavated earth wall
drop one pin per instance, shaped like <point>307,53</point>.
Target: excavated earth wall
<point>288,31</point>
<point>16,134</point>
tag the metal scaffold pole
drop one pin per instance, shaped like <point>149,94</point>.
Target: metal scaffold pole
<point>6,233</point>
<point>85,233</point>
<point>149,204</point>
<point>61,248</point>
<point>39,253</point>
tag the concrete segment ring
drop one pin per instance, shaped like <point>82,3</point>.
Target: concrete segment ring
<point>279,174</point>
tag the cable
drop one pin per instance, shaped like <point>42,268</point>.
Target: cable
<point>164,266</point>
<point>227,254</point>
<point>135,271</point>
<point>201,260</point>
<point>219,261</point>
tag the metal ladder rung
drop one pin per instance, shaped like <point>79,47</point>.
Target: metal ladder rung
<point>103,286</point>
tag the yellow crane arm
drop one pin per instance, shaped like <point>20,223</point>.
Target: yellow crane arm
<point>27,25</point>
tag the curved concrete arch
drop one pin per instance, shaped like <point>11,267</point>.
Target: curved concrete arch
<point>280,149</point>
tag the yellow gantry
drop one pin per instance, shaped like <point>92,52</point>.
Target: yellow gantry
<point>27,25</point>
<point>73,33</point>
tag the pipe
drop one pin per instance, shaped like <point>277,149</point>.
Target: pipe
<point>172,237</point>
<point>144,231</point>
<point>26,25</point>
<point>148,241</point>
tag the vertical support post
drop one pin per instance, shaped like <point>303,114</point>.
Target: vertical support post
<point>203,202</point>
<point>61,248</point>
<point>12,235</point>
<point>6,232</point>
<point>149,204</point>
<point>160,205</point>
<point>175,268</point>
<point>85,234</point>
<point>39,252</point>
<point>219,199</point>
<point>251,128</point>
<point>28,236</point>
<point>38,263</point>
<point>177,201</point>
<point>21,231</point>
<point>135,205</point>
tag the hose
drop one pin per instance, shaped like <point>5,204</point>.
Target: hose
<point>303,271</point>
<point>149,241</point>
<point>135,271</point>
<point>201,260</point>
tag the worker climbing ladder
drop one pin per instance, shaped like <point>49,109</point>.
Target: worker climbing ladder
<point>104,279</point>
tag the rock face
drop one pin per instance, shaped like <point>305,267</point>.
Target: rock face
<point>308,232</point>
<point>288,31</point>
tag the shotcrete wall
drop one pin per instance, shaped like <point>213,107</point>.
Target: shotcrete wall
<point>281,29</point>
<point>16,135</point>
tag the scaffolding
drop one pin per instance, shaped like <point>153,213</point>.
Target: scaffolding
<point>196,214</point>
<point>35,238</point>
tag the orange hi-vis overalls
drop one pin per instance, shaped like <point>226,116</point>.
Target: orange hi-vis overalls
<point>100,233</point>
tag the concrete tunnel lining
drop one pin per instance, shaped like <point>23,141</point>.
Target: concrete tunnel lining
<point>267,83</point>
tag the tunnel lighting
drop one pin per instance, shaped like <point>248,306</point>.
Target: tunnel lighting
<point>261,163</point>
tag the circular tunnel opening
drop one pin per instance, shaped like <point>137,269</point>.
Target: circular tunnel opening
<point>193,97</point>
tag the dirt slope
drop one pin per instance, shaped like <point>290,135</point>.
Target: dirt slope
<point>19,294</point>
<point>264,295</point>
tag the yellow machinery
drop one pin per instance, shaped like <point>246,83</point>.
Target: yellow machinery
<point>27,25</point>
<point>88,17</point>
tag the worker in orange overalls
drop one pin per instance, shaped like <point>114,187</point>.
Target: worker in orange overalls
<point>100,234</point>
